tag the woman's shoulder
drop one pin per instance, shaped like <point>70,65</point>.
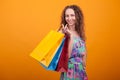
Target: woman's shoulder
<point>78,39</point>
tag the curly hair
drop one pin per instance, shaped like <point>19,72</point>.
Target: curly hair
<point>79,25</point>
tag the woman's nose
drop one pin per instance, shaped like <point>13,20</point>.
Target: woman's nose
<point>69,17</point>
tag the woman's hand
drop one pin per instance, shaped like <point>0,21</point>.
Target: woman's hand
<point>66,30</point>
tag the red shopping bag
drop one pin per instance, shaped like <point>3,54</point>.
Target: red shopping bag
<point>62,65</point>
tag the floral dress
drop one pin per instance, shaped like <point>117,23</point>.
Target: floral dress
<point>76,70</point>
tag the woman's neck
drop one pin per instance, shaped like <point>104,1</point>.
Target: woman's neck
<point>73,31</point>
<point>72,27</point>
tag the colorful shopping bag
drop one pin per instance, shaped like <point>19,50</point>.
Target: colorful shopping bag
<point>55,59</point>
<point>62,65</point>
<point>46,49</point>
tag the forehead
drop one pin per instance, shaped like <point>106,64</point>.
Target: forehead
<point>69,11</point>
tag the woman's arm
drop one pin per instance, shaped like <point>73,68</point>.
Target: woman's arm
<point>70,46</point>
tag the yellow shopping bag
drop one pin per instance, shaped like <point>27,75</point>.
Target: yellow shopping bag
<point>47,48</point>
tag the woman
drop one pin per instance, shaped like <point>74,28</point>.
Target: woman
<point>73,26</point>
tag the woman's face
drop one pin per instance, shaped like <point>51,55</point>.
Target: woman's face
<point>70,17</point>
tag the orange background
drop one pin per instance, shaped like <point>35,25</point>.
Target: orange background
<point>23,23</point>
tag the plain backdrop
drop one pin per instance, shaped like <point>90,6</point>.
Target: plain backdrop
<point>24,23</point>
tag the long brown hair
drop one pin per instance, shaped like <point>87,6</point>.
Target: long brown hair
<point>79,25</point>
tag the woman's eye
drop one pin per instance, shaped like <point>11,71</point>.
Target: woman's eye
<point>72,15</point>
<point>66,15</point>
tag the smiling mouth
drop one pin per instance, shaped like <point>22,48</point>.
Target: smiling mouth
<point>70,22</point>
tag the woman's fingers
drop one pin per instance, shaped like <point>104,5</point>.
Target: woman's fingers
<point>62,26</point>
<point>65,26</point>
<point>65,29</point>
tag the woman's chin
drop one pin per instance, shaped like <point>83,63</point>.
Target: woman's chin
<point>70,24</point>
